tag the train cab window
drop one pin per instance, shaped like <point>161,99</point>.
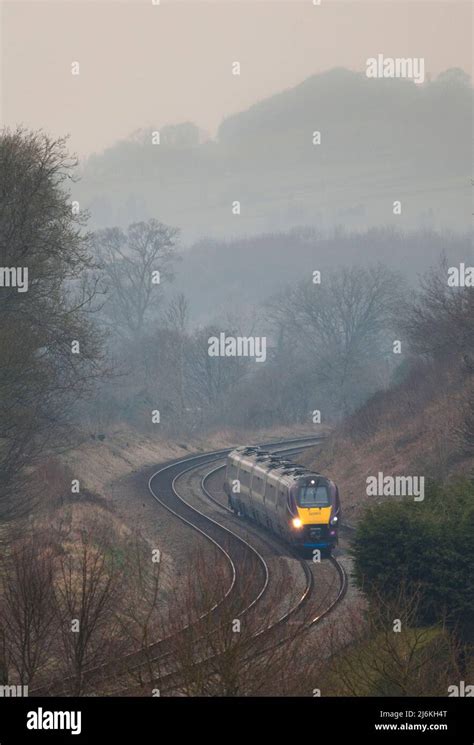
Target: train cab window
<point>314,495</point>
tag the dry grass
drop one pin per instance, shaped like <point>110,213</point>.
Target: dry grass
<point>99,463</point>
<point>414,429</point>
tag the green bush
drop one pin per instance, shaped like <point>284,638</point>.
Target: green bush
<point>428,547</point>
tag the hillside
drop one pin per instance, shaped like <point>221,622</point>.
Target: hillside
<point>380,140</point>
<point>215,274</point>
<point>421,427</point>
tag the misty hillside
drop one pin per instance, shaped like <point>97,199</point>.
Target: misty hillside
<point>381,140</point>
<point>423,424</point>
<point>219,276</point>
<point>418,427</point>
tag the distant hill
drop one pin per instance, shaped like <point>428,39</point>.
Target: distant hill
<point>381,141</point>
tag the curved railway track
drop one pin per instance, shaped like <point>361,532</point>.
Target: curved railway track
<point>338,567</point>
<point>214,531</point>
<point>239,598</point>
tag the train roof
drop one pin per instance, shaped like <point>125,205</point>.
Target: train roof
<point>271,464</point>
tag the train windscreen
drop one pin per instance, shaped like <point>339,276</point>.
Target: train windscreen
<point>313,496</point>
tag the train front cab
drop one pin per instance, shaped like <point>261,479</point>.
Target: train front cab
<point>315,511</point>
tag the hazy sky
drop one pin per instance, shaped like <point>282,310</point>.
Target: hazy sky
<point>143,65</point>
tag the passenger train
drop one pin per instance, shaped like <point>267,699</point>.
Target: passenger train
<point>301,506</point>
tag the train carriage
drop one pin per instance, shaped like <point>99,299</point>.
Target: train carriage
<point>301,506</point>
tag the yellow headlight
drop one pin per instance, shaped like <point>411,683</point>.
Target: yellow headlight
<point>297,522</point>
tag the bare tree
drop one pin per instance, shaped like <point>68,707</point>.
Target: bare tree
<point>134,263</point>
<point>439,322</point>
<point>226,652</point>
<point>177,313</point>
<point>341,328</point>
<point>210,378</point>
<point>177,319</point>
<point>86,595</point>
<point>383,651</point>
<point>139,615</point>
<point>27,611</point>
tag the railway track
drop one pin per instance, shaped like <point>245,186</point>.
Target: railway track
<point>336,564</point>
<point>191,515</point>
<point>242,559</point>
